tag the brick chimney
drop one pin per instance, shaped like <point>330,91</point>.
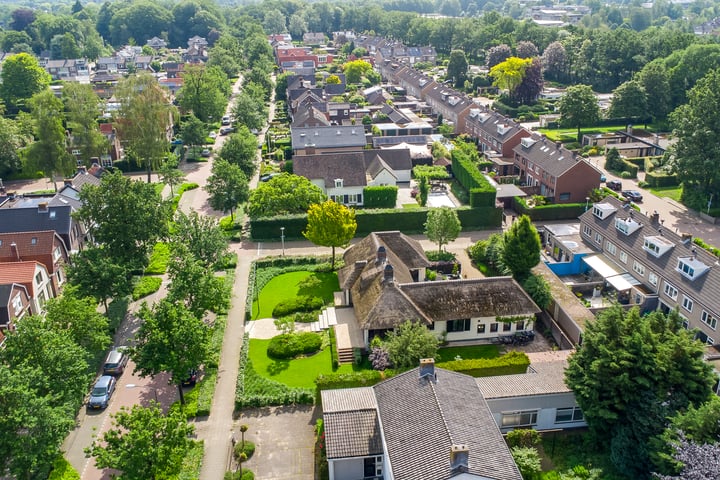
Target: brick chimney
<point>14,250</point>
<point>459,458</point>
<point>381,256</point>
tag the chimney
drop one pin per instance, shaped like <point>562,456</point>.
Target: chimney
<point>67,182</point>
<point>388,274</point>
<point>14,250</point>
<point>381,255</point>
<point>427,367</point>
<point>82,170</point>
<point>459,457</point>
<point>43,207</point>
<point>655,218</point>
<point>686,238</point>
<point>558,145</point>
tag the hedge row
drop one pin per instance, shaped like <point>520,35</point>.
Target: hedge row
<point>362,378</point>
<point>407,221</point>
<point>511,363</point>
<point>561,211</point>
<point>380,197</point>
<point>301,303</point>
<point>482,194</point>
<point>655,179</point>
<point>254,390</point>
<point>631,168</point>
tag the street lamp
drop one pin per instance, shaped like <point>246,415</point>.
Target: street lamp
<point>587,203</point>
<point>282,239</point>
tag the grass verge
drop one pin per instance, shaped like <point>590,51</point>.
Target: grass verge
<point>447,354</point>
<point>145,286</point>
<point>192,463</point>
<point>158,259</point>
<point>670,192</point>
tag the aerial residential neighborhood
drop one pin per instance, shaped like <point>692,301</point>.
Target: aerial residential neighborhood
<point>359,241</point>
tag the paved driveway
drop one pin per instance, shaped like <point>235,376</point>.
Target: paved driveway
<point>284,440</point>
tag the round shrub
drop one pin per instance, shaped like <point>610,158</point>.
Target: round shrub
<point>248,449</point>
<point>246,475</point>
<point>302,303</point>
<point>290,345</point>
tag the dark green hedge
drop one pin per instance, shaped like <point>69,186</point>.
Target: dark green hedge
<point>376,220</point>
<point>301,303</point>
<point>562,211</point>
<point>290,345</point>
<point>482,194</point>
<point>380,197</point>
<point>660,179</point>
<point>631,168</point>
<point>362,378</point>
<point>637,161</point>
<point>509,364</point>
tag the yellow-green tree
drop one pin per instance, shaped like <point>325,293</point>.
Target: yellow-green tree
<point>508,75</point>
<point>355,69</point>
<point>330,224</point>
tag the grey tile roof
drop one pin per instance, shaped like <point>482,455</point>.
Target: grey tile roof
<point>551,158</point>
<point>704,289</point>
<point>328,137</point>
<point>542,379</point>
<point>348,399</point>
<point>377,165</point>
<point>422,418</point>
<point>352,434</point>
<point>28,219</point>
<point>489,121</point>
<point>454,100</point>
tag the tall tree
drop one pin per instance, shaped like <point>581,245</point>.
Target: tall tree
<point>143,443</point>
<point>82,106</point>
<point>630,374</point>
<point>525,49</point>
<point>284,194</point>
<point>457,68</point>
<point>78,316</point>
<point>522,248</point>
<point>202,236</point>
<point>11,141</point>
<point>204,92</point>
<point>355,69</point>
<point>194,131</point>
<point>656,82</point>
<point>629,100</point>
<point>498,54</point>
<point>48,152</point>
<point>579,107</point>
<point>532,84</point>
<point>170,339</point>
<point>194,284</point>
<point>22,77</point>
<point>227,187</point>
<point>94,272</point>
<point>330,224</point>
<point>442,226</point>
<point>171,175</point>
<point>555,62</point>
<point>241,150</point>
<point>250,110</point>
<point>126,216</point>
<point>696,154</point>
<point>145,119</point>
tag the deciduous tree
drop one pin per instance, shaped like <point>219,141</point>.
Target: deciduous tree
<point>194,131</point>
<point>10,142</point>
<point>82,107</point>
<point>78,316</point>
<point>457,68</point>
<point>629,100</point>
<point>250,111</point>
<point>284,194</point>
<point>241,150</point>
<point>579,107</point>
<point>227,187</point>
<point>355,69</point>
<point>330,224</point>
<point>442,226</point>
<point>202,236</point>
<point>194,284</point>
<point>22,77</point>
<point>95,273</point>
<point>498,54</point>
<point>204,91</point>
<point>409,342</point>
<point>555,62</point>
<point>143,443</point>
<point>522,248</point>
<point>171,175</point>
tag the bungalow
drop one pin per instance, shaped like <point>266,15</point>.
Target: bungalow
<point>156,43</point>
<point>384,281</point>
<point>45,247</point>
<point>426,423</point>
<point>554,171</point>
<point>333,139</point>
<point>14,305</point>
<point>34,277</point>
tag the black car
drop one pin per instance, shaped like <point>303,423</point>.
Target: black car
<point>614,185</point>
<point>633,195</point>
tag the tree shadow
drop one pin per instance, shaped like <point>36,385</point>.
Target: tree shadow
<point>278,366</point>
<point>319,284</point>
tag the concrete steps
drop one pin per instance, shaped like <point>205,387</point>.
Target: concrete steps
<point>326,319</point>
<point>345,355</point>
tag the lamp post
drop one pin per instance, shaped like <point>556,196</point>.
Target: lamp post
<point>282,239</point>
<point>587,203</point>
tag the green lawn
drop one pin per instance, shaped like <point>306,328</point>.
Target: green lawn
<point>447,354</point>
<point>570,134</point>
<point>299,372</point>
<point>670,192</point>
<point>411,206</point>
<point>289,285</point>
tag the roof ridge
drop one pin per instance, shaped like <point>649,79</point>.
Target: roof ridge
<point>442,413</point>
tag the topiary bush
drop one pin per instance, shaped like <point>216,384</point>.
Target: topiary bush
<point>247,447</point>
<point>302,303</point>
<point>290,345</point>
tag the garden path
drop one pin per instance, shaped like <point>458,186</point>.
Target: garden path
<point>265,328</point>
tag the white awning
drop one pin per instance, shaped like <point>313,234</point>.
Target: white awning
<point>601,265</point>
<point>622,282</point>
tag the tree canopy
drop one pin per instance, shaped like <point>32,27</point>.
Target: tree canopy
<point>227,186</point>
<point>521,250</point>
<point>629,100</point>
<point>330,224</point>
<point>409,342</point>
<point>442,226</point>
<point>241,150</point>
<point>579,107</point>
<point>284,194</point>
<point>22,77</point>
<point>204,91</point>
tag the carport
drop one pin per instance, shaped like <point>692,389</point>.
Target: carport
<point>506,192</point>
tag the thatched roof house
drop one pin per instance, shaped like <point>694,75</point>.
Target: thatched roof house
<point>384,282</point>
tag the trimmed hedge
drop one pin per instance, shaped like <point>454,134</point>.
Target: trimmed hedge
<point>380,197</point>
<point>482,194</point>
<point>655,179</point>
<point>405,220</point>
<point>145,286</point>
<point>158,259</point>
<point>290,345</point>
<point>561,211</point>
<point>631,168</point>
<point>301,303</point>
<point>508,364</point>
<point>362,378</point>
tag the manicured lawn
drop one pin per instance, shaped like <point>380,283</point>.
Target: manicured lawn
<point>570,134</point>
<point>300,372</point>
<point>289,285</point>
<point>411,206</point>
<point>670,192</point>
<point>447,354</point>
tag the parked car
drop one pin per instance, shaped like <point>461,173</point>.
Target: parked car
<point>115,362</point>
<point>614,185</point>
<point>603,178</point>
<point>225,120</point>
<point>213,135</point>
<point>268,176</point>
<point>205,152</point>
<point>226,130</point>
<point>191,379</point>
<point>633,195</point>
<point>101,392</point>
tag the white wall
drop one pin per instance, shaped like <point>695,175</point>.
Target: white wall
<point>383,178</point>
<point>546,405</point>
<point>346,191</point>
<point>472,334</point>
<point>346,469</point>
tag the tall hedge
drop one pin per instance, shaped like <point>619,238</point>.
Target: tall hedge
<point>659,179</point>
<point>560,211</point>
<point>482,193</point>
<point>511,363</point>
<point>384,196</point>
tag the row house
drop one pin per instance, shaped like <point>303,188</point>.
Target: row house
<point>45,247</point>
<point>556,172</point>
<point>68,70</point>
<point>415,82</point>
<point>662,270</point>
<point>14,306</point>
<point>451,104</point>
<point>407,55</point>
<point>34,277</point>
<point>496,137</point>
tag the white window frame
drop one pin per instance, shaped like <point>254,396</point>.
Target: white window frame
<point>598,238</point>
<point>670,291</point>
<point>610,247</point>
<point>17,304</point>
<point>708,319</point>
<point>576,415</point>
<point>623,256</point>
<point>587,231</point>
<point>653,279</point>
<point>639,268</point>
<point>519,415</point>
<point>687,303</point>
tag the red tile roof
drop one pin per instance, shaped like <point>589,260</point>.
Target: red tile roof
<point>19,272</point>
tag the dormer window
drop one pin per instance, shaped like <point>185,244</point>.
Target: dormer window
<point>626,225</point>
<point>657,246</point>
<point>603,210</point>
<point>338,183</point>
<point>691,267</point>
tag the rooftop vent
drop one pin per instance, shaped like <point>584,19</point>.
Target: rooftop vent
<point>427,367</point>
<point>459,457</point>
